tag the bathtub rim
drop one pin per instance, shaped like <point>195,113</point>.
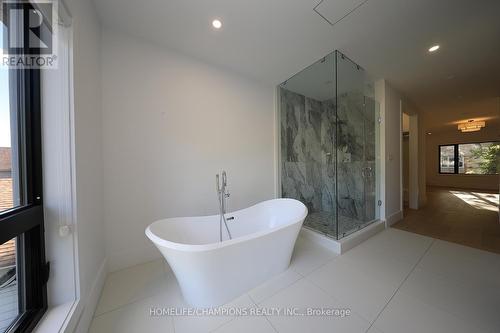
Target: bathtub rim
<point>158,241</point>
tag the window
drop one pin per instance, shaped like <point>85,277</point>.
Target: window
<point>447,159</point>
<point>23,270</point>
<point>481,158</point>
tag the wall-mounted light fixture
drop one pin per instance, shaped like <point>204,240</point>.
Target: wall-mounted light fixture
<point>471,126</point>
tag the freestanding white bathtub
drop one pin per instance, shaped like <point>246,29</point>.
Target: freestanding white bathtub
<point>210,272</point>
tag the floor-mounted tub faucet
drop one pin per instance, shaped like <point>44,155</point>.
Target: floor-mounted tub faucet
<point>222,196</point>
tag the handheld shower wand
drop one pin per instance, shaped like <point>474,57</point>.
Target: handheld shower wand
<point>217,187</point>
<point>222,195</point>
<point>217,183</point>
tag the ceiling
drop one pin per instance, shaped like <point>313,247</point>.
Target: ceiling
<point>270,40</point>
<point>446,117</point>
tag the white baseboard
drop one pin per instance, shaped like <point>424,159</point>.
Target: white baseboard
<point>393,218</point>
<point>83,316</point>
<point>135,256</point>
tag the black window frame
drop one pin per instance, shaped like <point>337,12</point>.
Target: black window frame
<point>456,158</point>
<point>26,221</point>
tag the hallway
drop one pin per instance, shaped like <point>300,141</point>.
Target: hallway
<point>467,217</point>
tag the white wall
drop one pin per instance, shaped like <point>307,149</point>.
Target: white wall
<point>58,198</point>
<point>414,181</point>
<point>406,168</point>
<point>413,169</point>
<point>487,182</point>
<point>88,156</point>
<point>390,150</point>
<point>170,123</point>
<point>422,160</point>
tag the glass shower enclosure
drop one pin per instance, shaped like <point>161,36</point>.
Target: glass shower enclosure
<point>329,156</point>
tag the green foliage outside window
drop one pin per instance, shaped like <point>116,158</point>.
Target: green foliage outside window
<point>490,158</point>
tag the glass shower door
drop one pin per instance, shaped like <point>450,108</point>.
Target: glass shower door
<point>371,126</point>
<point>357,123</point>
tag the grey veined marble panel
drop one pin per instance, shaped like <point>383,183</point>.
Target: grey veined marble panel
<point>307,151</point>
<point>329,177</point>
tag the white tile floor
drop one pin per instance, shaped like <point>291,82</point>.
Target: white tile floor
<point>394,282</point>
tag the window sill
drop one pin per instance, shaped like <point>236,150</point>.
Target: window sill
<point>56,318</point>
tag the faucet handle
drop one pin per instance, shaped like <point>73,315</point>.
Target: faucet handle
<point>217,183</point>
<point>224,178</point>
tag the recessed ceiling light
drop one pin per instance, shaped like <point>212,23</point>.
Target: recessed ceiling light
<point>433,48</point>
<point>217,24</point>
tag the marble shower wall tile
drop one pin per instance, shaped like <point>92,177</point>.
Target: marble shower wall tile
<point>307,151</point>
<point>350,157</point>
<point>311,157</point>
<point>350,113</point>
<point>356,156</point>
<point>371,119</point>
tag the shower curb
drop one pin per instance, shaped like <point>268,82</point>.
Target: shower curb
<point>345,244</point>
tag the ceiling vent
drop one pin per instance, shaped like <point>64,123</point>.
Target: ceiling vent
<point>333,11</point>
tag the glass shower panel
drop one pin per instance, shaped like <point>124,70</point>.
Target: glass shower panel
<point>378,197</point>
<point>371,165</point>
<point>329,144</point>
<point>307,120</point>
<point>356,154</point>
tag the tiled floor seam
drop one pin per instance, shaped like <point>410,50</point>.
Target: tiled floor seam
<point>277,292</point>
<point>232,319</point>
<point>446,276</point>
<point>145,298</point>
<point>223,324</point>
<point>134,266</point>
<point>335,298</point>
<point>121,306</point>
<point>173,324</point>
<point>274,328</point>
<point>257,305</point>
<point>442,308</point>
<point>302,276</point>
<point>406,278</point>
<point>320,266</point>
